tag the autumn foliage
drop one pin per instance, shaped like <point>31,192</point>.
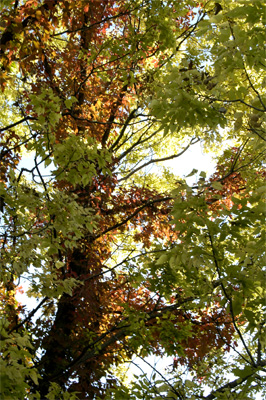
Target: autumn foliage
<point>86,224</point>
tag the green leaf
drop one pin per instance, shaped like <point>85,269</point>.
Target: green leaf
<point>217,185</point>
<point>193,172</point>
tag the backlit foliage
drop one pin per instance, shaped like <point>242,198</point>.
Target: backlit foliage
<point>119,256</point>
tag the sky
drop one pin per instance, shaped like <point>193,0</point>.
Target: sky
<point>193,158</point>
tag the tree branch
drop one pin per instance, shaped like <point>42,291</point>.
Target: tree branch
<point>230,385</point>
<point>30,315</point>
<point>214,99</point>
<point>158,160</point>
<point>17,123</point>
<point>113,114</point>
<point>139,141</point>
<point>129,118</point>
<point>149,203</point>
<point>230,301</point>
<point>165,380</point>
<point>126,12</point>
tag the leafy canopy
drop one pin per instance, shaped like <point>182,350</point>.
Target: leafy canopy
<point>119,256</point>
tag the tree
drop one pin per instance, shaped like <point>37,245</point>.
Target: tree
<point>123,256</point>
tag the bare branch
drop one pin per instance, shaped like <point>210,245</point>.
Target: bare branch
<point>30,315</point>
<point>17,123</point>
<point>129,118</point>
<point>139,141</point>
<point>155,160</point>
<point>230,385</point>
<point>165,380</point>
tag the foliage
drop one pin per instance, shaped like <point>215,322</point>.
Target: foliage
<point>123,258</point>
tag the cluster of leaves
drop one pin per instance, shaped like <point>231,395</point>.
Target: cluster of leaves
<point>121,262</point>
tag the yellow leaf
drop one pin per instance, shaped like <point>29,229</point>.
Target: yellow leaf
<point>36,44</point>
